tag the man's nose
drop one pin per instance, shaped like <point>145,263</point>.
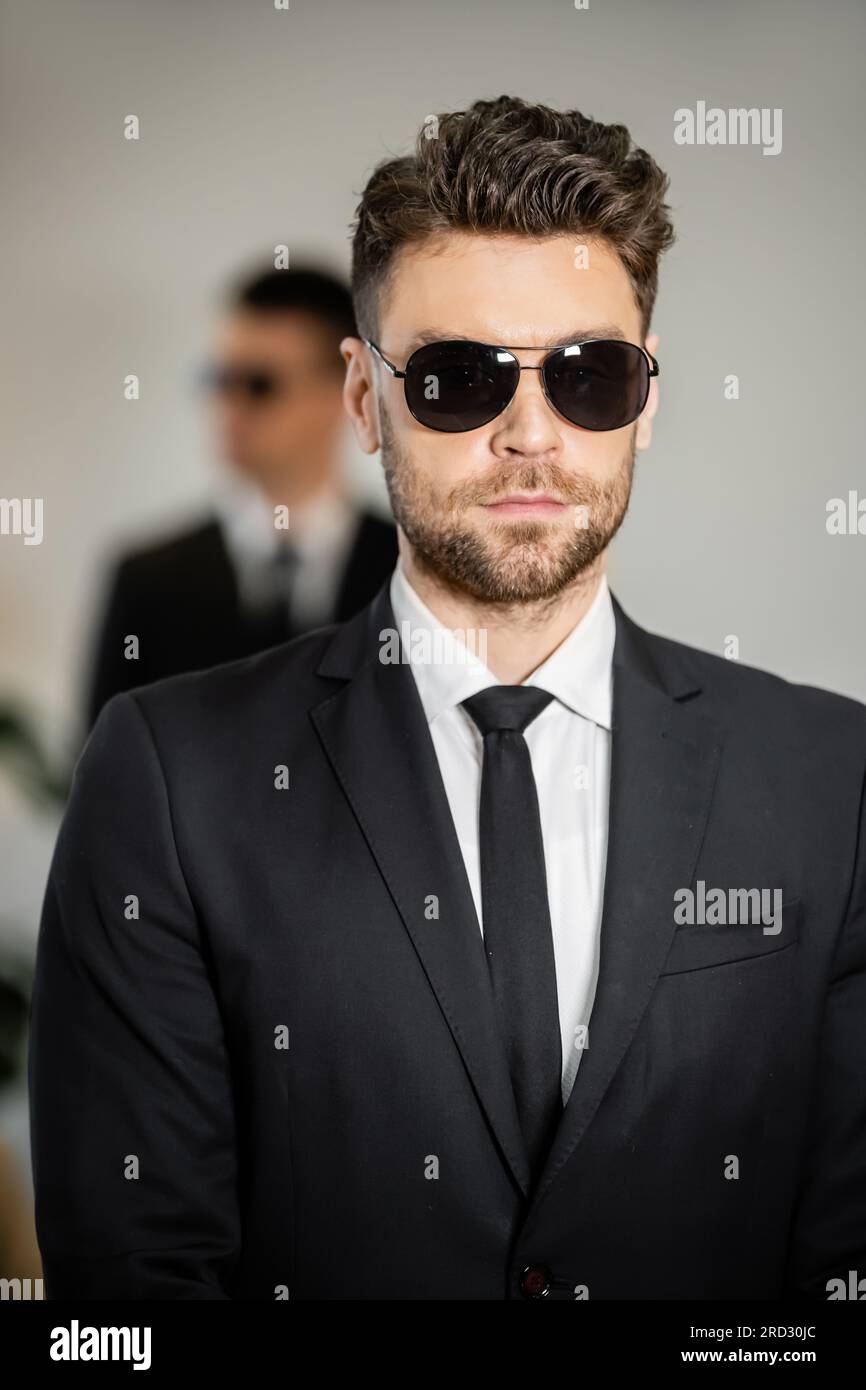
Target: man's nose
<point>528,425</point>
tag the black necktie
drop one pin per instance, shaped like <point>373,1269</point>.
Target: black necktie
<point>284,565</point>
<point>271,620</point>
<point>516,917</point>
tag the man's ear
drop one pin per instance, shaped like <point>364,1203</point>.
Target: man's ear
<point>359,393</point>
<point>644,433</point>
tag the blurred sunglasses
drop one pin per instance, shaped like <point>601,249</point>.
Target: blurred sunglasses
<point>458,385</point>
<point>257,384</point>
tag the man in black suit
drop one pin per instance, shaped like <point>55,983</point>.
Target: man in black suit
<point>287,549</point>
<point>485,946</point>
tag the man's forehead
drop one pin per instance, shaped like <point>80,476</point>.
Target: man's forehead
<point>515,291</point>
<point>530,335</point>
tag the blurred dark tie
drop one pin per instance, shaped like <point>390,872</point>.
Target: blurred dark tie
<point>272,619</point>
<point>514,906</point>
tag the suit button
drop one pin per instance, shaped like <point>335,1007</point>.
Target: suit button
<point>535,1281</point>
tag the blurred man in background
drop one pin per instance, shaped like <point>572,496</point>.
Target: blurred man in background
<point>243,580</point>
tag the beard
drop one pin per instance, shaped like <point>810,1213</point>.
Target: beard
<point>506,562</point>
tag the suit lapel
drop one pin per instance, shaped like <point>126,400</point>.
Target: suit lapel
<point>664,764</point>
<point>376,737</point>
<point>665,758</point>
<point>221,610</point>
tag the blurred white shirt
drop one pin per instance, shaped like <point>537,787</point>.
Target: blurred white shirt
<point>321,533</point>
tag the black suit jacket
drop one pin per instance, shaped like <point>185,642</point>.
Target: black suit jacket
<point>181,1150</point>
<point>181,599</point>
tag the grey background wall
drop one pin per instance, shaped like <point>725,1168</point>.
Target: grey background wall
<point>259,126</point>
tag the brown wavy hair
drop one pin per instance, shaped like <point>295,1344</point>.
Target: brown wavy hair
<point>512,167</point>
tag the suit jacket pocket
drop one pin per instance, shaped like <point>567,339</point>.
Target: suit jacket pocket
<point>695,948</point>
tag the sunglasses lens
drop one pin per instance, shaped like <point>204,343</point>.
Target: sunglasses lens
<point>598,386</point>
<point>458,386</point>
<point>260,386</point>
<point>254,383</point>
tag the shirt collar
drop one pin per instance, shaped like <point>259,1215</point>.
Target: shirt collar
<point>447,669</point>
<point>247,521</point>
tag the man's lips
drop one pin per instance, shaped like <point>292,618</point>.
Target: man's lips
<point>526,504</point>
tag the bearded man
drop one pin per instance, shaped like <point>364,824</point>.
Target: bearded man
<point>363,978</point>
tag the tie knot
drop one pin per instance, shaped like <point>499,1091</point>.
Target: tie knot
<point>284,558</point>
<point>501,707</point>
<point>282,567</point>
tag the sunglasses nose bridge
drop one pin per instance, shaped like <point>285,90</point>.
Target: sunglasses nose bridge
<point>538,367</point>
<point>543,395</point>
<point>534,367</point>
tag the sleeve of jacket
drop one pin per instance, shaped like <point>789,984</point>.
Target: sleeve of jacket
<point>828,1237</point>
<point>132,1120</point>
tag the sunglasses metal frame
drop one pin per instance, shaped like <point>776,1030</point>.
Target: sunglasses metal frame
<point>218,379</point>
<point>501,347</point>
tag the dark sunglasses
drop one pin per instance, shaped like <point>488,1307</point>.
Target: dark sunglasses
<point>457,385</point>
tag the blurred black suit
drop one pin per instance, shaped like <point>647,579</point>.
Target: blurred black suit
<point>181,598</point>
<point>378,1155</point>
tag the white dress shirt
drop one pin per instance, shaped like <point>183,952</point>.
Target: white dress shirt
<point>320,532</point>
<point>569,747</point>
